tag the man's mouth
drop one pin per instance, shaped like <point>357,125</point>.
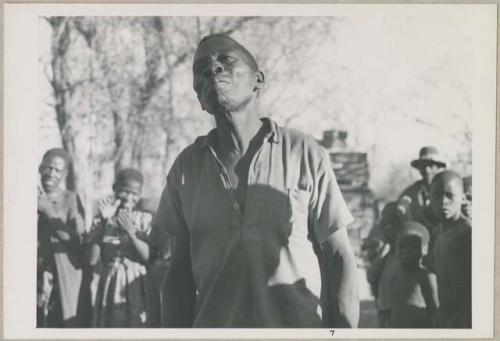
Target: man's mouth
<point>221,80</point>
<point>445,211</point>
<point>215,84</point>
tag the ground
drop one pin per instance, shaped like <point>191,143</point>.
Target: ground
<point>368,312</point>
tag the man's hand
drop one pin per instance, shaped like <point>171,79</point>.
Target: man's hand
<point>126,222</point>
<point>403,208</point>
<point>107,207</point>
<point>342,280</point>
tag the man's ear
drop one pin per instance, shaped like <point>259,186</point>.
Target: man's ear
<point>260,80</point>
<point>425,250</point>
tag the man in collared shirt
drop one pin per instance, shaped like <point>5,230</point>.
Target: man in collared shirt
<point>254,210</point>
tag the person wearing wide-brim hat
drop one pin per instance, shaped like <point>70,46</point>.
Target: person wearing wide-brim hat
<point>428,156</point>
<point>414,202</point>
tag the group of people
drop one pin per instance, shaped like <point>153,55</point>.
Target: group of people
<point>250,231</point>
<point>251,226</point>
<point>420,270</point>
<point>115,249</point>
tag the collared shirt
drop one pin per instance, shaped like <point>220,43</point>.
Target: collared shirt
<point>256,269</point>
<point>416,202</point>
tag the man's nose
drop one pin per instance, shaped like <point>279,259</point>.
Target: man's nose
<point>216,68</point>
<point>443,200</point>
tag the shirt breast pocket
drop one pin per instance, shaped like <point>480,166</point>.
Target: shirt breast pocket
<point>298,208</point>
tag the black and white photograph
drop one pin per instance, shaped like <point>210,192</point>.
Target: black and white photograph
<point>286,170</point>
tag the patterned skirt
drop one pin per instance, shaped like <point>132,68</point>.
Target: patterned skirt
<point>121,300</point>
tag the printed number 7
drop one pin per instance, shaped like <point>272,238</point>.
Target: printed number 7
<point>332,331</point>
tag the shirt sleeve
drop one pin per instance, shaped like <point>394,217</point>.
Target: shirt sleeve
<point>329,209</point>
<point>170,238</point>
<point>168,219</point>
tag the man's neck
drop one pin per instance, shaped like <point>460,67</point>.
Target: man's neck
<point>53,192</point>
<point>236,130</point>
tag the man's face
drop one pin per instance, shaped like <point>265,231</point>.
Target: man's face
<point>223,77</point>
<point>428,170</point>
<point>446,198</point>
<point>467,203</point>
<point>390,231</point>
<point>53,171</point>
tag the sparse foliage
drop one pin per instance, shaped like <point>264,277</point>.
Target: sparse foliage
<point>122,93</point>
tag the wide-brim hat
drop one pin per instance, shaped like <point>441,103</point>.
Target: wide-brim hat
<point>428,155</point>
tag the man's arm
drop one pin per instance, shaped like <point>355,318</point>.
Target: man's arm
<point>404,203</point>
<point>343,282</point>
<point>428,285</point>
<point>170,234</point>
<point>180,291</point>
<point>328,218</point>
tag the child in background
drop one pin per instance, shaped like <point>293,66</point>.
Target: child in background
<point>467,204</point>
<point>413,289</point>
<point>452,252</point>
<point>119,239</point>
<point>383,269</point>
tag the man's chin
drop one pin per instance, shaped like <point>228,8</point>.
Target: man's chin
<point>49,185</point>
<point>449,216</point>
<point>219,108</point>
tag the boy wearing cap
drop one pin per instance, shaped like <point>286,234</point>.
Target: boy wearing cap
<point>413,289</point>
<point>382,271</point>
<point>452,251</point>
<point>414,202</point>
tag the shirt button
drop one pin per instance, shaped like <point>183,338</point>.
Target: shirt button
<point>236,206</point>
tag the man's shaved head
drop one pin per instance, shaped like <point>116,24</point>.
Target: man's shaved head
<point>250,59</point>
<point>226,77</point>
<point>447,195</point>
<point>447,177</point>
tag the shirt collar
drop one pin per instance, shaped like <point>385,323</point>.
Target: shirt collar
<point>272,134</point>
